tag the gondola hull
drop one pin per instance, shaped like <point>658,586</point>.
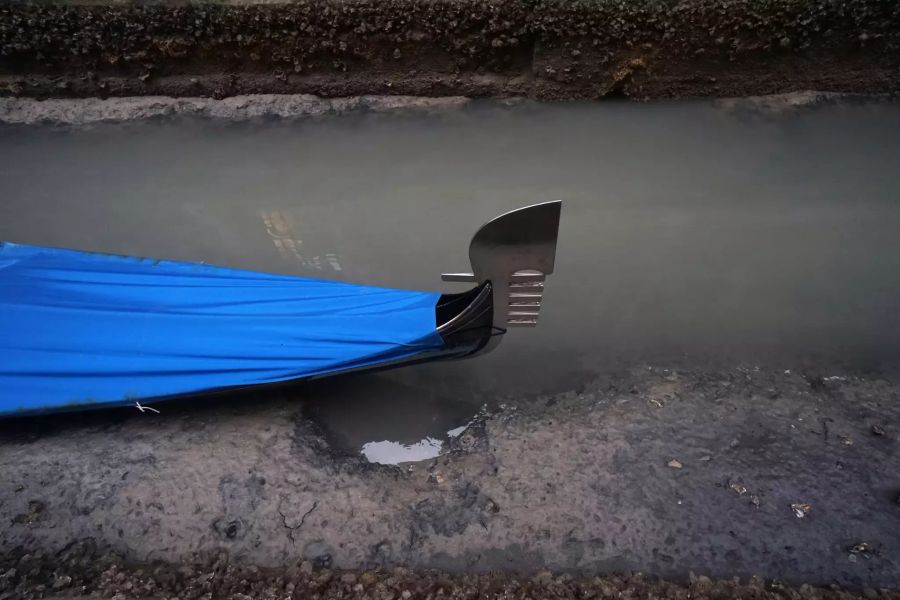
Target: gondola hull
<point>81,329</point>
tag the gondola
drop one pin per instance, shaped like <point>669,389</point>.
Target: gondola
<point>83,330</point>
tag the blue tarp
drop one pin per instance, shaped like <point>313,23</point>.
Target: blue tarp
<point>78,328</point>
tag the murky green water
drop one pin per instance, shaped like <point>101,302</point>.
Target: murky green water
<point>691,234</point>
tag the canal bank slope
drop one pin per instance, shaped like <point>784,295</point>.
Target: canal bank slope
<point>545,49</point>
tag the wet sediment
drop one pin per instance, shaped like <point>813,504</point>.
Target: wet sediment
<point>548,49</point>
<point>255,107</point>
<point>81,571</point>
<point>781,475</point>
<point>84,111</point>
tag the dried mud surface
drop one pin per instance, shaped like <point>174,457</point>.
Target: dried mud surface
<point>78,112</point>
<point>84,111</point>
<point>791,477</point>
<point>544,49</point>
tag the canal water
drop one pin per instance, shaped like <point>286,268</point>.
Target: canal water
<point>693,235</point>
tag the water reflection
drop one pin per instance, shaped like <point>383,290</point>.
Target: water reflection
<point>385,417</point>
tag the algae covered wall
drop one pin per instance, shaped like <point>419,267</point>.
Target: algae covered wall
<point>550,49</point>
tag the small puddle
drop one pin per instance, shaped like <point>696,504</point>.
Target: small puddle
<point>387,417</point>
<point>394,453</point>
<point>387,452</point>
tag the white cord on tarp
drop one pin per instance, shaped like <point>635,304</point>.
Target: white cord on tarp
<point>143,408</point>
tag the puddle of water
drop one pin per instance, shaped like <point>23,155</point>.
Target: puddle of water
<point>400,415</point>
<point>392,453</point>
<point>387,452</point>
<point>689,233</point>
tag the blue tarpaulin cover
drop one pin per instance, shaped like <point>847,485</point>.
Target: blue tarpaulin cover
<point>79,328</point>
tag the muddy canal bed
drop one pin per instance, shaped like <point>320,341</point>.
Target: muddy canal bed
<point>787,476</point>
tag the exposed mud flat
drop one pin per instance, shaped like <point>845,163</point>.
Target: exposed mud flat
<point>747,472</point>
<point>84,111</point>
<point>551,49</point>
<point>779,104</point>
<point>237,108</point>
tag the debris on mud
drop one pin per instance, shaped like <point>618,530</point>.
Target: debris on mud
<point>801,509</point>
<point>739,488</point>
<point>861,548</point>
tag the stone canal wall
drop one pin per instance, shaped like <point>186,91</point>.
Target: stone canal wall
<point>545,49</point>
